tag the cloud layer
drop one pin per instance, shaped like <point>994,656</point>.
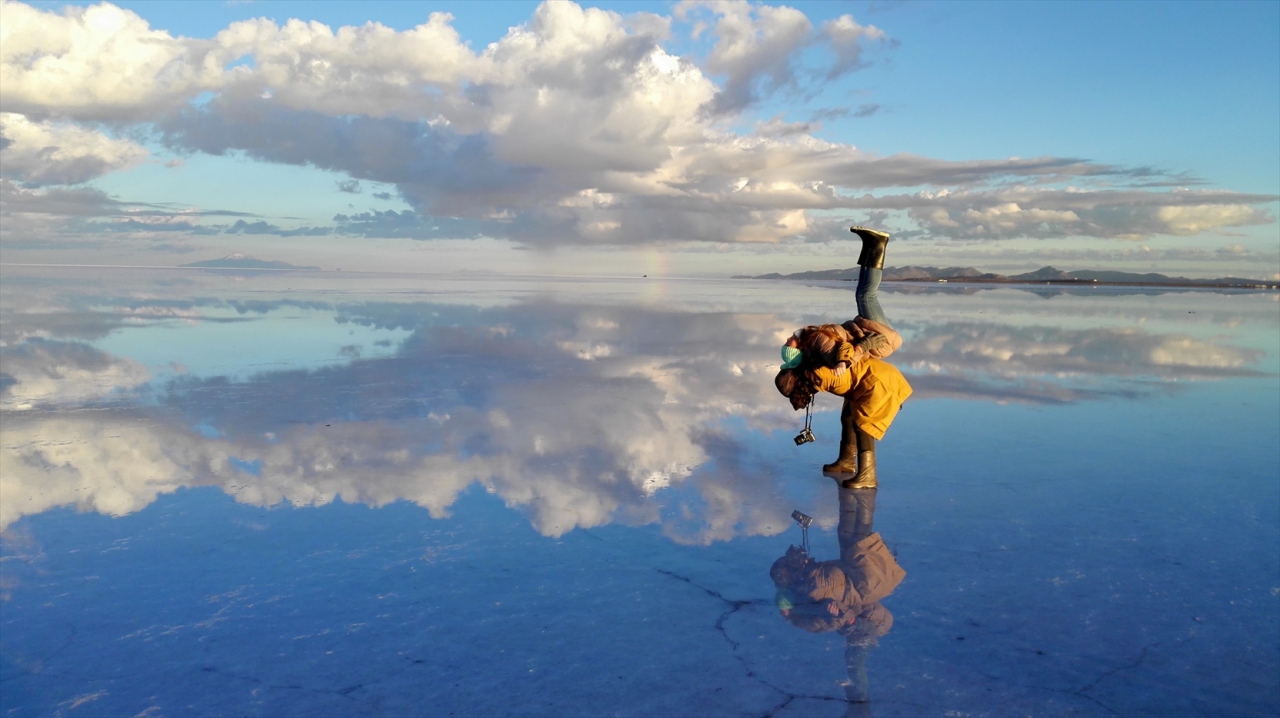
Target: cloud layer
<point>576,127</point>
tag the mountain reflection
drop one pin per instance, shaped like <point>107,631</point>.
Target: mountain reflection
<point>579,414</point>
<point>843,595</point>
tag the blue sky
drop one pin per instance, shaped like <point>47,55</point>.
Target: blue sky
<point>1146,134</point>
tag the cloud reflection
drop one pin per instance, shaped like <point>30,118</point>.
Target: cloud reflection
<point>43,371</point>
<point>1040,364</point>
<point>579,415</point>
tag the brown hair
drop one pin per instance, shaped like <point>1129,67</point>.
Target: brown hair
<point>796,385</point>
<point>819,343</point>
<point>790,568</point>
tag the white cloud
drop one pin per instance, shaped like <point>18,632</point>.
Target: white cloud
<point>507,140</point>
<point>848,40</point>
<point>754,48</point>
<point>97,62</point>
<point>1194,219</point>
<point>41,153</point>
<point>367,70</point>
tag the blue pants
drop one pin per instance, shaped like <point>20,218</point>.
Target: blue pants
<point>868,295</point>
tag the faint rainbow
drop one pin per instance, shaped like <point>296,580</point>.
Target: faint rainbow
<point>657,265</point>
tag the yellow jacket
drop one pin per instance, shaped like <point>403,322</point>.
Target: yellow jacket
<point>876,388</point>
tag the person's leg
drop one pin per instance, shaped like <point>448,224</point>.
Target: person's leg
<point>857,691</point>
<point>868,295</point>
<point>871,260</point>
<point>847,462</point>
<point>866,476</point>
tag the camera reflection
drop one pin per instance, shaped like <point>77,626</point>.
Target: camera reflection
<point>842,595</point>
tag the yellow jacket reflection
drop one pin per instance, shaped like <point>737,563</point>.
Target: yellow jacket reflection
<point>842,595</point>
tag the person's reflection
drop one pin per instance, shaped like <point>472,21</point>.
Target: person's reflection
<point>843,595</point>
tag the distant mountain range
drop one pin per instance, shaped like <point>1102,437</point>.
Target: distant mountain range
<point>1045,274</point>
<point>242,261</point>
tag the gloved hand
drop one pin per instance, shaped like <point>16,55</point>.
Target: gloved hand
<point>874,344</point>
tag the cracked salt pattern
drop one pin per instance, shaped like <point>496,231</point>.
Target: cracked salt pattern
<point>539,497</point>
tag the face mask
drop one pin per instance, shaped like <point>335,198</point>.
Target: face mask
<point>791,357</point>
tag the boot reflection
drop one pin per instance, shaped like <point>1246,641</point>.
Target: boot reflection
<point>843,595</point>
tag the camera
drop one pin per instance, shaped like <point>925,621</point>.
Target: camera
<point>804,437</point>
<point>803,519</point>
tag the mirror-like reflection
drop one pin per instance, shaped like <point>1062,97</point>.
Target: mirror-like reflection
<point>843,595</point>
<point>290,483</point>
<point>577,412</point>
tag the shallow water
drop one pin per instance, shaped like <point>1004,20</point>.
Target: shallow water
<point>316,494</point>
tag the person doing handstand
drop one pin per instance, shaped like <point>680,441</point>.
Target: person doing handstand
<point>847,360</point>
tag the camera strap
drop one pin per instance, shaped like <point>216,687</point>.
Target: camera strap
<point>808,414</point>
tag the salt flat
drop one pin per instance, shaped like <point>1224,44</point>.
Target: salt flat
<point>323,494</point>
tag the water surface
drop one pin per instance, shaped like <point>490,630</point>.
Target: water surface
<point>304,494</point>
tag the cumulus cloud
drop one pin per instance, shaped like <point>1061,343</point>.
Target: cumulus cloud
<point>575,127</point>
<point>754,48</point>
<point>370,69</point>
<point>97,62</point>
<point>42,153</point>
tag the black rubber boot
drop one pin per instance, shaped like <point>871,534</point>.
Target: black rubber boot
<point>873,245</point>
<point>866,476</point>
<point>847,463</point>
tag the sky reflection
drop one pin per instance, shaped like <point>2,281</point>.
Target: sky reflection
<point>577,411</point>
<point>568,495</point>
